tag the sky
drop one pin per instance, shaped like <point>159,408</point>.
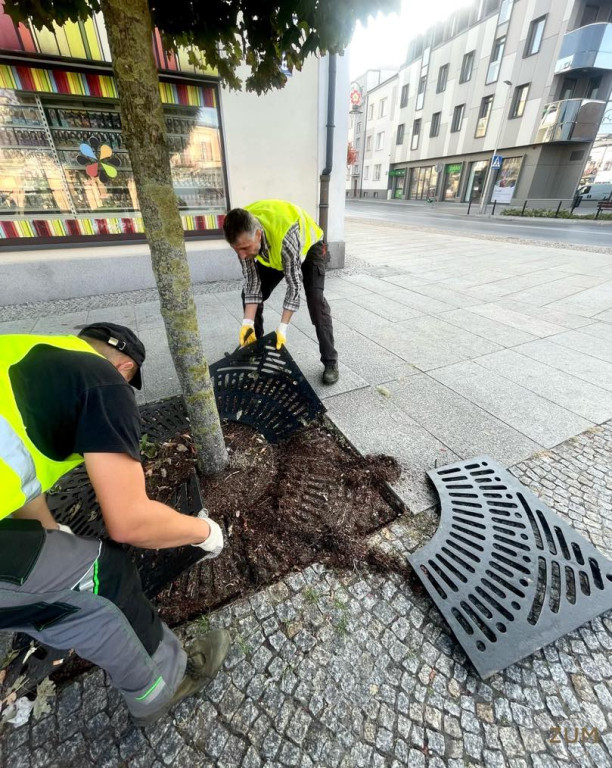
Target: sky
<point>383,41</point>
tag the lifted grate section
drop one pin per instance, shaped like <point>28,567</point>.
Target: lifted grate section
<point>507,574</point>
<point>263,387</point>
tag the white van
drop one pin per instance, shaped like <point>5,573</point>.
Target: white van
<point>597,191</point>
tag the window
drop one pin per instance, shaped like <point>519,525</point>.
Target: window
<point>400,134</point>
<point>534,38</point>
<point>377,172</point>
<point>382,106</point>
<point>483,117</point>
<point>458,113</point>
<point>380,140</point>
<point>416,132</point>
<point>404,98</point>
<point>519,100</point>
<point>442,79</point>
<point>371,112</point>
<point>369,144</point>
<point>421,94</point>
<point>358,128</point>
<point>467,67</point>
<point>357,141</point>
<point>505,11</point>
<point>593,87</point>
<point>568,88</point>
<point>589,15</point>
<point>496,57</point>
<point>435,124</point>
<point>490,7</point>
<point>366,172</point>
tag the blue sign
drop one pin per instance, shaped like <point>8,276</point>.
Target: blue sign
<point>496,162</point>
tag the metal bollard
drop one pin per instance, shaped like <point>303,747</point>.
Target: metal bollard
<point>524,206</point>
<point>558,208</point>
<point>494,206</point>
<point>469,207</point>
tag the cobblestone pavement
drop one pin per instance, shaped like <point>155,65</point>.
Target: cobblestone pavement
<point>354,669</point>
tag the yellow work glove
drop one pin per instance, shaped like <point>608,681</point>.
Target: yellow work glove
<point>281,335</point>
<point>247,333</point>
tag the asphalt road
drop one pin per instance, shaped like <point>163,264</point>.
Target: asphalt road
<point>434,216</point>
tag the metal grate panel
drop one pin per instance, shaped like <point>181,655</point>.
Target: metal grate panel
<point>507,574</point>
<point>263,387</point>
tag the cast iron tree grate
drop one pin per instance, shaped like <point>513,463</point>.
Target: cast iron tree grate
<point>507,574</point>
<point>263,387</point>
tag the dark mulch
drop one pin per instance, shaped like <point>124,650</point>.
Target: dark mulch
<point>311,499</point>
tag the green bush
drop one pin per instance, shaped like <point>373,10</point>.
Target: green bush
<point>548,213</point>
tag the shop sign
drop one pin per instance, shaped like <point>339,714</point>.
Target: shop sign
<point>454,168</point>
<point>397,172</point>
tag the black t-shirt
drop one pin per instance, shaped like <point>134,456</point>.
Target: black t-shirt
<point>74,402</point>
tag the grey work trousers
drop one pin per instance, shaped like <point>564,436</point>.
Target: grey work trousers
<point>80,593</point>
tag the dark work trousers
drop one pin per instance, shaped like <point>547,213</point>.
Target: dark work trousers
<point>313,275</point>
<point>76,592</point>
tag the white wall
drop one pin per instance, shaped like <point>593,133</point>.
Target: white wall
<point>271,141</point>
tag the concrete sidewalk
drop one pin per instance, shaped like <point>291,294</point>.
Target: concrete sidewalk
<point>449,348</point>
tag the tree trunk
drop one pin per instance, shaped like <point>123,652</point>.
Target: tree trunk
<point>129,28</point>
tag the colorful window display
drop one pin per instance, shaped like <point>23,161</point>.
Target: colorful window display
<point>62,155</point>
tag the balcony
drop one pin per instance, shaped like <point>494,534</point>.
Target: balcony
<point>570,120</point>
<point>587,47</point>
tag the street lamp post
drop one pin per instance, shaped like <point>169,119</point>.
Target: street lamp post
<point>486,194</point>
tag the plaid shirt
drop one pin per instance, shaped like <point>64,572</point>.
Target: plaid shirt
<point>292,269</point>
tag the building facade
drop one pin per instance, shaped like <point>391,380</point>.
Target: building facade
<point>65,173</point>
<point>371,125</point>
<point>526,79</point>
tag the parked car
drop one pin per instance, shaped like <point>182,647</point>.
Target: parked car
<point>598,191</point>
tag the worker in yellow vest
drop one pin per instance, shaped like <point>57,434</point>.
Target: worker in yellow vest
<point>276,239</point>
<point>65,400</point>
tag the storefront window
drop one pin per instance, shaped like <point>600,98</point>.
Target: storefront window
<point>452,180</point>
<point>423,182</point>
<point>65,157</point>
<point>476,181</point>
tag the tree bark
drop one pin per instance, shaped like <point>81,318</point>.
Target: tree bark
<point>129,28</point>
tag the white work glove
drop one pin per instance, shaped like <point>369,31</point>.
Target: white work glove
<point>65,528</point>
<point>213,545</point>
<point>247,332</point>
<point>281,335</point>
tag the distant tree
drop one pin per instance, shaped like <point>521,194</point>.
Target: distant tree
<point>269,37</point>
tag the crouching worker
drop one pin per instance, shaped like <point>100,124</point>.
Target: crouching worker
<point>65,400</point>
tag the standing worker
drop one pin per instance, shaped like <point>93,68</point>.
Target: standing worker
<point>273,239</point>
<point>65,400</point>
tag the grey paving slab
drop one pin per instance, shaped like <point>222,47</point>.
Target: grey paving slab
<point>123,314</point>
<point>374,424</point>
<point>599,330</point>
<point>385,306</point>
<point>583,342</point>
<point>338,287</point>
<point>579,364</point>
<point>427,342</point>
<point>490,329</point>
<point>588,302</point>
<point>557,293</point>
<point>375,284</point>
<point>369,360</point>
<point>522,322</point>
<point>59,324</point>
<point>418,301</point>
<point>18,326</point>
<point>473,279</point>
<point>361,319</point>
<point>148,315</point>
<point>405,280</point>
<point>462,426</point>
<point>446,295</point>
<point>583,398</point>
<point>554,316</point>
<point>528,279</point>
<point>536,417</point>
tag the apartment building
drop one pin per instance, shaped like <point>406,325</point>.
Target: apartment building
<point>372,123</point>
<point>526,79</point>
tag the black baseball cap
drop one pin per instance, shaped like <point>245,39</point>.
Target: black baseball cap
<point>121,338</point>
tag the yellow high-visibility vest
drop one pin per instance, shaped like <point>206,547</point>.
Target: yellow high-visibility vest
<point>25,472</point>
<point>277,217</point>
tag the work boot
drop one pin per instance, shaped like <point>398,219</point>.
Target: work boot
<point>204,659</point>
<point>331,373</point>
